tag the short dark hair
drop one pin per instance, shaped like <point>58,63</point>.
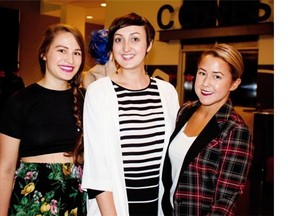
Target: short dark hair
<point>129,20</point>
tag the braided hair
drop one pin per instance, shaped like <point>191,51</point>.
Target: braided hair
<point>49,35</point>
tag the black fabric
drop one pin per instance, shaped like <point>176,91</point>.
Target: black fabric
<point>42,118</point>
<point>143,209</point>
<point>93,193</point>
<point>9,84</point>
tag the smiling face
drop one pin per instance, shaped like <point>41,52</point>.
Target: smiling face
<point>63,58</point>
<point>214,81</point>
<point>130,47</point>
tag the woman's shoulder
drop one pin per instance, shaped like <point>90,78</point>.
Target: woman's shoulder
<point>25,92</point>
<point>164,84</point>
<point>23,99</point>
<point>227,114</point>
<point>100,86</point>
<point>158,80</point>
<point>186,106</point>
<point>103,81</point>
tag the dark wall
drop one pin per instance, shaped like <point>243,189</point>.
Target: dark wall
<point>31,27</point>
<point>9,22</point>
<point>211,13</point>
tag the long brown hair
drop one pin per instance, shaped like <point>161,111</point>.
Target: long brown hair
<point>47,40</point>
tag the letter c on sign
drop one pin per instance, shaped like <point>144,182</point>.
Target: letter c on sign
<point>159,16</point>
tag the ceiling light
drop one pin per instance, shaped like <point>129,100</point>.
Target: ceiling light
<point>103,4</point>
<point>89,17</point>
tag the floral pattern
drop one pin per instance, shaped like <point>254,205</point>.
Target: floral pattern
<point>43,189</point>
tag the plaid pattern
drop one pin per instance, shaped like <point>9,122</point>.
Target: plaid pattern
<point>215,168</point>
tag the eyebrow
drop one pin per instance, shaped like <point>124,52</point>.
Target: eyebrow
<point>133,33</point>
<point>62,46</point>
<point>214,72</point>
<point>218,72</point>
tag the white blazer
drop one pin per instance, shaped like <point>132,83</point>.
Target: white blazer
<point>103,168</point>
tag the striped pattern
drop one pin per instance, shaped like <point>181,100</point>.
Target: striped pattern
<point>142,131</point>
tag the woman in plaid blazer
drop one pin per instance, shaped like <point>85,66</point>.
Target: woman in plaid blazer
<point>211,150</point>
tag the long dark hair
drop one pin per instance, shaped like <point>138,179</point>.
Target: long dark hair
<point>75,82</point>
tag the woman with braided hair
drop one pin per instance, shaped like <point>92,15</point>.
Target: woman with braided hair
<point>41,133</point>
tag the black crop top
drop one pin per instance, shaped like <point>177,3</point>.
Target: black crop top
<point>42,119</point>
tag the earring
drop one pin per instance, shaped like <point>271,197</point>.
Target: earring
<point>111,57</point>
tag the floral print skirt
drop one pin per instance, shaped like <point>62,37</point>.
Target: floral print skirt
<point>48,189</point>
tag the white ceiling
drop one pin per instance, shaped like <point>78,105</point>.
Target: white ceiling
<point>92,7</point>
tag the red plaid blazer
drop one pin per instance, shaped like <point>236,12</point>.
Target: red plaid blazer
<point>215,168</point>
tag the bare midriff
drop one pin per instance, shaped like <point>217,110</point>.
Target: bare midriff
<point>48,158</point>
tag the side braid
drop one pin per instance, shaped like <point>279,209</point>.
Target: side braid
<point>78,150</point>
<point>50,34</point>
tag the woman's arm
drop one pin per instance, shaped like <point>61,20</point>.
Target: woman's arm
<point>88,78</point>
<point>97,168</point>
<point>106,204</point>
<point>236,158</point>
<point>9,148</point>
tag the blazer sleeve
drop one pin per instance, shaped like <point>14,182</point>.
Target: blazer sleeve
<point>95,172</point>
<point>236,158</point>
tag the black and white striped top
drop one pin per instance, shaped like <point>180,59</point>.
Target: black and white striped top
<point>142,132</point>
